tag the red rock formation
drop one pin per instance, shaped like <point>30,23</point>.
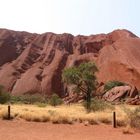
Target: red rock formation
<point>33,63</point>
<point>118,93</point>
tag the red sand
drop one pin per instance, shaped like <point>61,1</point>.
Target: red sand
<point>21,130</point>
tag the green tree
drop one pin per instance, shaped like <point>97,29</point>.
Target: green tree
<point>4,96</point>
<point>84,79</point>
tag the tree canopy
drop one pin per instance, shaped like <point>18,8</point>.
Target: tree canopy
<point>83,77</point>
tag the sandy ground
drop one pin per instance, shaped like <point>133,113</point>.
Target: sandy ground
<point>22,130</point>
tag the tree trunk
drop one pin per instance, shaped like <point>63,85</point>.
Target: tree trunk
<point>88,100</point>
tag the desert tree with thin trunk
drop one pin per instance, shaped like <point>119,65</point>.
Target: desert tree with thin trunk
<point>83,78</point>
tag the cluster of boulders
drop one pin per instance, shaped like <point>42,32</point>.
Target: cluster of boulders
<point>127,93</point>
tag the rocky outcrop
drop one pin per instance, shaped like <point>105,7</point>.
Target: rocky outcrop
<point>33,63</point>
<point>127,93</point>
<point>119,93</point>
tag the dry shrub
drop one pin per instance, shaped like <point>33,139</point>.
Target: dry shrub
<point>133,117</point>
<point>128,130</point>
<point>90,119</point>
<point>35,117</point>
<point>60,119</point>
<point>4,115</point>
<point>105,120</point>
<point>121,123</point>
<point>93,122</point>
<point>45,118</point>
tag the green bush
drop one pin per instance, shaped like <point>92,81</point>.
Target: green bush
<point>99,105</point>
<point>28,99</point>
<point>55,100</point>
<point>111,84</point>
<point>4,96</point>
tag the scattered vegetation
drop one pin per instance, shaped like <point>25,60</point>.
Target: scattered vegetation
<point>111,84</point>
<point>83,78</point>
<point>28,99</point>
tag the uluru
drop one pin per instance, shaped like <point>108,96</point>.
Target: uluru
<point>33,63</point>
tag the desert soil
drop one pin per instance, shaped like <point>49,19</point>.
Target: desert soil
<point>22,130</point>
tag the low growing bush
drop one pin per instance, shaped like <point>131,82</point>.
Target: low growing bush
<point>28,99</point>
<point>55,100</point>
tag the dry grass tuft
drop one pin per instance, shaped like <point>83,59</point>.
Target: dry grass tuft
<point>128,130</point>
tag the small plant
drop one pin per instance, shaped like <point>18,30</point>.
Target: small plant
<point>111,84</point>
<point>55,100</point>
<point>4,96</point>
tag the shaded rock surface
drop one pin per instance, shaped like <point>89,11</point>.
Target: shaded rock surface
<point>33,63</point>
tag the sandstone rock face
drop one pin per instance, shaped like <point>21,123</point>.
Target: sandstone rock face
<point>33,63</point>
